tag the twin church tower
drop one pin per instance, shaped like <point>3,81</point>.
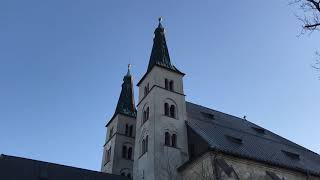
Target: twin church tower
<point>149,142</point>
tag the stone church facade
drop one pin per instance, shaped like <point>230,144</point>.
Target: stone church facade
<point>164,137</point>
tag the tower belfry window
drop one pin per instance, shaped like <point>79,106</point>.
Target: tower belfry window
<point>130,153</point>
<point>166,109</point>
<point>127,130</point>
<point>171,86</point>
<point>174,140</point>
<point>111,133</point>
<point>124,151</point>
<point>172,111</point>
<point>166,84</point>
<point>131,131</point>
<point>167,139</point>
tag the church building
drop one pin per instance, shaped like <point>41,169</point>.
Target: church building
<point>164,137</point>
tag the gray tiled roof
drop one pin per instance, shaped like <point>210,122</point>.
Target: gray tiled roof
<point>263,145</point>
<point>15,168</point>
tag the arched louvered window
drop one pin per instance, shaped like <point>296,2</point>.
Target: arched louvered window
<point>111,133</point>
<point>174,140</point>
<point>172,111</point>
<point>166,109</point>
<point>143,146</point>
<point>146,144</point>
<point>167,139</point>
<point>124,152</point>
<point>108,155</point>
<point>171,86</point>
<point>127,130</point>
<point>130,153</point>
<point>148,111</point>
<point>131,130</point>
<point>166,84</point>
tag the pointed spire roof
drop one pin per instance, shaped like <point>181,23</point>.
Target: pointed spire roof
<point>126,104</point>
<point>160,54</point>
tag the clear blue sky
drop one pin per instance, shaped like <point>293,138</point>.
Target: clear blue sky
<point>62,64</point>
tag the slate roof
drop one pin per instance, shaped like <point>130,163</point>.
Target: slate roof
<point>126,104</point>
<point>16,168</point>
<point>159,53</point>
<point>239,137</point>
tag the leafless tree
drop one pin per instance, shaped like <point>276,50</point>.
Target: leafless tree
<point>311,14</point>
<point>310,21</point>
<point>316,65</point>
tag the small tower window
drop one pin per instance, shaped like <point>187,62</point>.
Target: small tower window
<point>166,109</point>
<point>166,84</point>
<point>130,153</point>
<point>131,130</point>
<point>127,130</point>
<point>167,139</point>
<point>146,144</point>
<point>145,115</point>
<point>171,86</point>
<point>129,175</point>
<point>146,89</point>
<point>174,140</point>
<point>124,152</point>
<point>111,133</point>
<point>108,155</point>
<point>172,111</point>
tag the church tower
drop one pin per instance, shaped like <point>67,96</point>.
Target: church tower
<point>161,136</point>
<point>118,148</point>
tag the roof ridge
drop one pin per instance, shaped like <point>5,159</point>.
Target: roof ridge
<point>296,147</point>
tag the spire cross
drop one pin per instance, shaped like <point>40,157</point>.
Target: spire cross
<point>129,67</point>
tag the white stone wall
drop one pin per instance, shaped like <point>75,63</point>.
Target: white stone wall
<point>117,163</point>
<point>151,164</point>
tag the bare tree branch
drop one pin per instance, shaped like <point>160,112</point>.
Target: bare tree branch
<point>311,17</point>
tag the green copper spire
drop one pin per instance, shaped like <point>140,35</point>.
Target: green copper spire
<point>160,54</point>
<point>126,104</point>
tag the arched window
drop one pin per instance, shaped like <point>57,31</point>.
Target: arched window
<point>171,85</point>
<point>124,152</point>
<point>166,109</point>
<point>172,111</point>
<point>148,113</point>
<point>145,115</point>
<point>130,153</point>
<point>143,146</point>
<point>146,144</point>
<point>108,155</point>
<point>174,140</point>
<point>146,89</point>
<point>131,130</point>
<point>127,130</point>
<point>111,133</point>
<point>167,139</point>
<point>166,84</point>
<point>129,175</point>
